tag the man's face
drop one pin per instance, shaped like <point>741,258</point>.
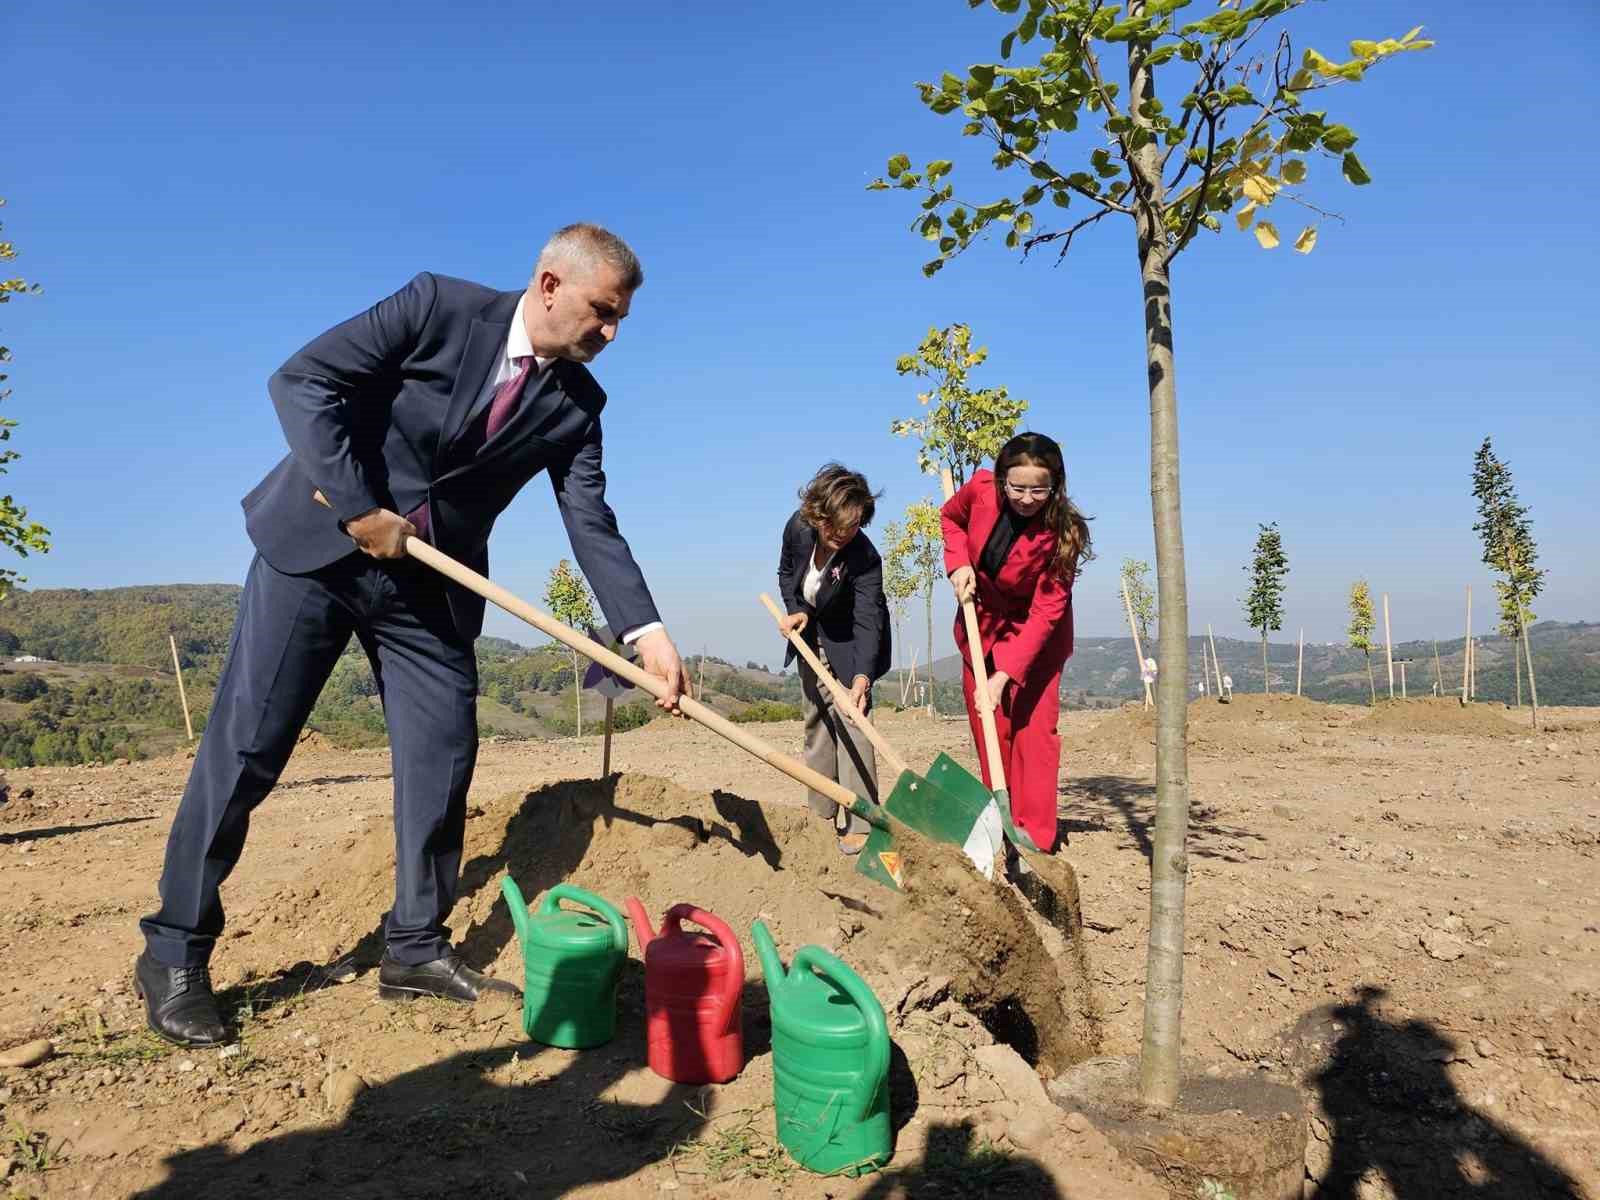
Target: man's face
<point>576,310</point>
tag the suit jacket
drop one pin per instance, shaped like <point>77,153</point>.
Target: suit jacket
<point>374,411</point>
<point>1024,613</point>
<point>850,619</point>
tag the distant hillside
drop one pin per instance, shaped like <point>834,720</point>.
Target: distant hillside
<point>106,690</point>
<point>1566,660</point>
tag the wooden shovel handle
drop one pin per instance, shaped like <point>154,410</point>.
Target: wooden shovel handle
<point>842,699</point>
<point>991,736</point>
<point>638,676</point>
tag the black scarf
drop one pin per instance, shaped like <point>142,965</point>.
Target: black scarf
<point>1001,539</point>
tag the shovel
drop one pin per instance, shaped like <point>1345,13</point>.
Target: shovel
<point>869,812</point>
<point>966,821</point>
<point>951,805</point>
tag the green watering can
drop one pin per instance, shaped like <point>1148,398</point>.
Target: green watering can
<point>830,1061</point>
<point>572,962</point>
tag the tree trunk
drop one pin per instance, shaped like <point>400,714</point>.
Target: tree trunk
<point>928,601</point>
<point>1516,661</point>
<point>1163,989</point>
<point>1266,679</point>
<point>1372,681</point>
<point>577,696</point>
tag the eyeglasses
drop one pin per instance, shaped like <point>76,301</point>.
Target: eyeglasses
<point>1027,493</point>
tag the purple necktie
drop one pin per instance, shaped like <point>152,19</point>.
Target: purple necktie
<point>501,408</point>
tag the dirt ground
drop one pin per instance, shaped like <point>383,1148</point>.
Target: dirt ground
<point>1395,911</point>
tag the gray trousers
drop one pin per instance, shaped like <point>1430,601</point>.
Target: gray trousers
<point>836,748</point>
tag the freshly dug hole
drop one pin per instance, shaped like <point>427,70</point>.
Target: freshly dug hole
<point>637,835</point>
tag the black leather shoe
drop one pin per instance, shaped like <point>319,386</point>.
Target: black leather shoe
<point>447,977</point>
<point>178,1003</point>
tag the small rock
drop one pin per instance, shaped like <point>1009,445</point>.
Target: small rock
<point>1031,1131</point>
<point>1077,1122</point>
<point>29,1054</point>
<point>1445,947</point>
<point>1484,1047</point>
<point>341,1088</point>
<point>184,1064</point>
<point>232,1050</point>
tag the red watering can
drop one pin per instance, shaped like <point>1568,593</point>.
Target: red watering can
<point>692,985</point>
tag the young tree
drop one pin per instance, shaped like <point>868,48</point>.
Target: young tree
<point>899,584</point>
<point>961,429</point>
<point>567,597</point>
<point>1142,602</point>
<point>1509,549</point>
<point>1264,604</point>
<point>1362,622</point>
<point>17,532</point>
<point>920,551</point>
<point>1238,138</point>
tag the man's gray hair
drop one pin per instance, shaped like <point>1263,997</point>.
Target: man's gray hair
<point>587,246</point>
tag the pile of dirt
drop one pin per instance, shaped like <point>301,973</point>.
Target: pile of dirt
<point>1246,725</point>
<point>636,835</point>
<point>1434,715</point>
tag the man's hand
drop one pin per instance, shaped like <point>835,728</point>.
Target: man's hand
<point>860,691</point>
<point>997,689</point>
<point>380,533</point>
<point>965,584</point>
<point>793,623</point>
<point>659,656</point>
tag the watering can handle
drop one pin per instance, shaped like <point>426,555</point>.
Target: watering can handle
<point>733,982</point>
<point>601,908</point>
<point>641,923</point>
<point>815,958</point>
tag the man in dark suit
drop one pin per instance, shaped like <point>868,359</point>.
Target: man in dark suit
<point>422,416</point>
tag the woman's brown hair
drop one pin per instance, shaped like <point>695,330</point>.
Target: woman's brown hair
<point>835,495</point>
<point>1073,544</point>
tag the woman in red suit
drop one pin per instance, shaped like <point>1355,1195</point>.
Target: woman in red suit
<point>1015,541</point>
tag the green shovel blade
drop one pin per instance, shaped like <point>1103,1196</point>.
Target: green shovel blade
<point>951,777</point>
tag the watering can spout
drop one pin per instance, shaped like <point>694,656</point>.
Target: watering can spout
<point>518,907</point>
<point>641,923</point>
<point>767,952</point>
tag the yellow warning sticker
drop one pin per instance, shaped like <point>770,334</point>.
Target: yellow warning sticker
<point>891,863</point>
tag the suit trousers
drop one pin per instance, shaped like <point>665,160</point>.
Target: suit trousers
<point>1030,747</point>
<point>836,748</point>
<point>290,632</point>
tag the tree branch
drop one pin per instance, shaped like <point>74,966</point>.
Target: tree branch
<point>1000,141</point>
<point>1067,234</point>
<point>1199,205</point>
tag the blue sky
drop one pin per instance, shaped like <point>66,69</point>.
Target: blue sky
<point>201,189</point>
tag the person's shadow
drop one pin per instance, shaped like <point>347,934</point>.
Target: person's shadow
<point>953,1166</point>
<point>1393,1108</point>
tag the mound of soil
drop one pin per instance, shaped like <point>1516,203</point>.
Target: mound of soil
<point>636,835</point>
<point>1245,725</point>
<point>1434,715</point>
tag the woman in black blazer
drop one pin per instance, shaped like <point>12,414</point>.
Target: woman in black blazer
<point>832,583</point>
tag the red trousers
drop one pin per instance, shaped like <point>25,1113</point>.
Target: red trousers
<point>1030,747</point>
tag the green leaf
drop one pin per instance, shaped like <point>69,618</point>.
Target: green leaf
<point>1294,171</point>
<point>980,79</point>
<point>951,84</point>
<point>1061,197</point>
<point>877,185</point>
<point>1029,26</point>
<point>898,165</point>
<point>1101,161</point>
<point>1006,43</point>
<point>938,167</point>
<point>1024,222</point>
<point>931,226</point>
<point>1354,171</point>
<point>1339,138</point>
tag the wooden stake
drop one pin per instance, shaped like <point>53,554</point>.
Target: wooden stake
<point>1472,684</point>
<point>1466,652</point>
<point>1138,651</point>
<point>1403,693</point>
<point>605,753</point>
<point>1388,644</point>
<point>1215,661</point>
<point>1300,661</point>
<point>183,699</point>
<point>1438,671</point>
